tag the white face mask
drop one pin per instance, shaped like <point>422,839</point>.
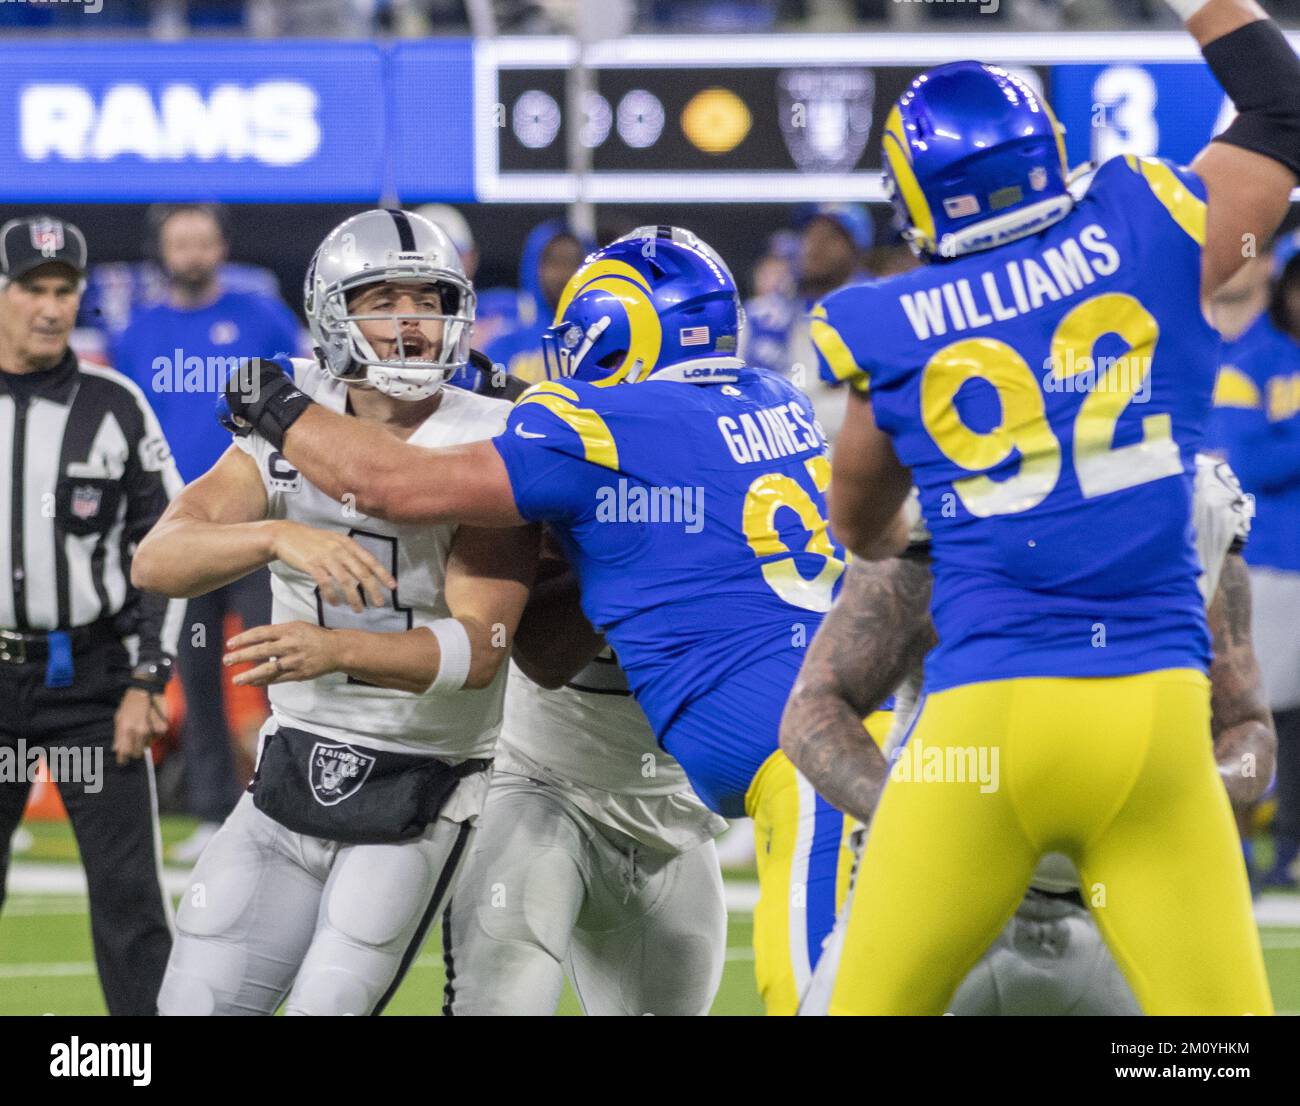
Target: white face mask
<point>350,356</point>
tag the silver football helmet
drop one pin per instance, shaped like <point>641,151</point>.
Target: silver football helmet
<point>379,247</point>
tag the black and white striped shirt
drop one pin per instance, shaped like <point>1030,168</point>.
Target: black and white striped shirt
<point>85,471</point>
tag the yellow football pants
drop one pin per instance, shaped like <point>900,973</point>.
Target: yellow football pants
<point>804,865</point>
<point>1117,773</point>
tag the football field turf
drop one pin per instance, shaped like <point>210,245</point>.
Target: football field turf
<point>46,964</point>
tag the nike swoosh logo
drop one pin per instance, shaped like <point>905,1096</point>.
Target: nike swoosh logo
<point>526,433</point>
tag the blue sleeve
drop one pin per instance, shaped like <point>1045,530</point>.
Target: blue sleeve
<point>1156,194</point>
<point>500,350</point>
<point>841,348</point>
<point>1266,456</point>
<point>286,332</point>
<point>125,356</point>
<point>546,457</point>
<point>1264,451</point>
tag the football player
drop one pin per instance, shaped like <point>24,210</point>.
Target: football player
<point>1050,959</point>
<point>594,858</point>
<point>687,491</point>
<point>385,660</point>
<point>1045,382</point>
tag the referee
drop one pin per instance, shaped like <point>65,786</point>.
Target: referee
<point>84,657</point>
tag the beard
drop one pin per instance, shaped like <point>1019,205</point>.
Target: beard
<point>192,280</point>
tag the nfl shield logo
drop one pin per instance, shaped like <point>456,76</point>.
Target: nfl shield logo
<point>337,771</point>
<point>85,501</point>
<point>47,236</point>
<point>1037,178</point>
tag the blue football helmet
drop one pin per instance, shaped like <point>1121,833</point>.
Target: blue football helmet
<point>974,158</point>
<point>658,302</point>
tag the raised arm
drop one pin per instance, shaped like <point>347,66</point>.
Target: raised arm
<point>878,631</point>
<point>1245,743</point>
<point>364,465</point>
<point>216,531</point>
<point>1250,169</point>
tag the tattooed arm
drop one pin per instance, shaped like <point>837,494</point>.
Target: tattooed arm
<point>878,631</point>
<point>1245,744</point>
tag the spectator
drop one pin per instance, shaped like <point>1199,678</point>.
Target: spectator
<point>116,290</point>
<point>833,247</point>
<point>1257,423</point>
<point>179,352</point>
<point>552,254</point>
<point>498,308</point>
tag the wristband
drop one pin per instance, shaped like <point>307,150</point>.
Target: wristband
<point>261,395</point>
<point>151,676</point>
<point>454,650</point>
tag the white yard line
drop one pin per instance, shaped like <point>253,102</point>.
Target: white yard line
<point>45,971</point>
<point>44,881</point>
<point>30,877</point>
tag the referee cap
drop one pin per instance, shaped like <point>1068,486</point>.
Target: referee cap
<point>35,240</point>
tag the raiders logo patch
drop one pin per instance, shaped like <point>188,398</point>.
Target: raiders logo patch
<point>337,772</point>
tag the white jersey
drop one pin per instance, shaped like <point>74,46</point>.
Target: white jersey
<point>454,724</point>
<point>591,739</point>
<point>1221,517</point>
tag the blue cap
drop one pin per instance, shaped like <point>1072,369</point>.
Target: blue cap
<point>853,219</point>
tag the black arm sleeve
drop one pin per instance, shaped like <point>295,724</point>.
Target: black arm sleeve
<point>1261,75</point>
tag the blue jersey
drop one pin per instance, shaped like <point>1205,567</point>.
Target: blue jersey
<point>1257,424</point>
<point>181,357</point>
<point>695,517</point>
<point>1049,397</point>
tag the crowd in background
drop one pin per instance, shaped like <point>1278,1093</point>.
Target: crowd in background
<point>409,18</point>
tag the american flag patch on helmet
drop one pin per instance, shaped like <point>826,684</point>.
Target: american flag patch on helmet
<point>957,206</point>
<point>694,335</point>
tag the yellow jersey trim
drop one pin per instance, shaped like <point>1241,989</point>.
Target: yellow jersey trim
<point>597,439</point>
<point>835,349</point>
<point>1234,388</point>
<point>1186,209</point>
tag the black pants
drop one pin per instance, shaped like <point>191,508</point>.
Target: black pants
<point>210,785</point>
<point>112,811</point>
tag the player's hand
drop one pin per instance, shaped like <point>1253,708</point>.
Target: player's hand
<point>282,653</point>
<point>261,394</point>
<point>141,717</point>
<point>343,570</point>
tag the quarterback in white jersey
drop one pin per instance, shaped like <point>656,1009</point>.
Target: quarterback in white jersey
<point>1050,959</point>
<point>385,659</point>
<point>595,858</point>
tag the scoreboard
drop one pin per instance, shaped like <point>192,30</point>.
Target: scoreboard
<point>681,119</point>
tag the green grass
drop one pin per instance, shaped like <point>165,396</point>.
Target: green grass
<point>47,967</point>
<point>50,935</point>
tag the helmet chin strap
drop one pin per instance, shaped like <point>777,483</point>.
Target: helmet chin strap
<point>392,383</point>
<point>392,380</point>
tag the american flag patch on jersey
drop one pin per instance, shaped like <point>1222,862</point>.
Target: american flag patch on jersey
<point>694,335</point>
